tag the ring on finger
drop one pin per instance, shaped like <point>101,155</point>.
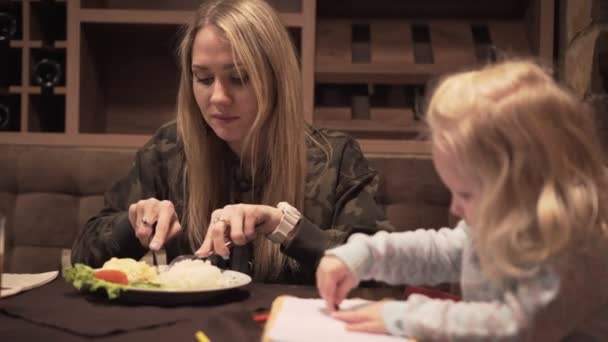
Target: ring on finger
<point>218,219</point>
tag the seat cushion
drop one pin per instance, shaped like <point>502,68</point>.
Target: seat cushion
<point>47,194</point>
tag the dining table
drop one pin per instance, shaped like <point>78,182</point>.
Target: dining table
<point>59,312</point>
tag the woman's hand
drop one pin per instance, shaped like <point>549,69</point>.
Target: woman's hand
<point>240,223</point>
<point>334,281</point>
<point>367,318</point>
<point>145,213</point>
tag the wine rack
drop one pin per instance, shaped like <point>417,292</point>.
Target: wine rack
<point>10,66</point>
<point>104,73</point>
<point>32,67</point>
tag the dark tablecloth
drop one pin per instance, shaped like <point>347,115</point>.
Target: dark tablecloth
<point>58,312</point>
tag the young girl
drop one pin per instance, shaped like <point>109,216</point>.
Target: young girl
<point>522,161</point>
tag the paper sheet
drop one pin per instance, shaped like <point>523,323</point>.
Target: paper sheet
<point>307,320</point>
<point>15,283</point>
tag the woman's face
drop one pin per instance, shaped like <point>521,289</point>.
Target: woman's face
<point>224,97</point>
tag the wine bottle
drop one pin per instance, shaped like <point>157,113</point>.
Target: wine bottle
<point>8,27</point>
<point>48,113</point>
<point>10,67</point>
<point>47,73</point>
<point>52,22</point>
<point>9,117</point>
<point>5,116</point>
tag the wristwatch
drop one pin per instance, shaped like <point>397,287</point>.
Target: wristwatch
<point>291,217</point>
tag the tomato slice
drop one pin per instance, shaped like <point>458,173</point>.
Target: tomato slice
<point>112,276</point>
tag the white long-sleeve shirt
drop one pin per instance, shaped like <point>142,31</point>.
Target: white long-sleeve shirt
<point>489,311</point>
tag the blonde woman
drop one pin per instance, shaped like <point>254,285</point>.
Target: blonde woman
<point>522,161</point>
<point>240,164</point>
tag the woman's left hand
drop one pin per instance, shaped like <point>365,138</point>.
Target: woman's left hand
<point>240,223</point>
<point>367,318</point>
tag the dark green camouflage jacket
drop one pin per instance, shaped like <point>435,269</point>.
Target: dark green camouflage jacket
<point>339,201</point>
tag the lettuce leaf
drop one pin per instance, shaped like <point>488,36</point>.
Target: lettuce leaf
<point>145,285</point>
<point>81,275</point>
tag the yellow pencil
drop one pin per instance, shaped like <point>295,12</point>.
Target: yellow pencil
<point>201,337</point>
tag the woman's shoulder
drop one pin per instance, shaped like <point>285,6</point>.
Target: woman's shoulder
<point>163,147</point>
<point>329,134</point>
<point>164,139</point>
<point>336,141</point>
<point>340,150</point>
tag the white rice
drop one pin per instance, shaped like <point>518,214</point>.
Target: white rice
<point>191,275</point>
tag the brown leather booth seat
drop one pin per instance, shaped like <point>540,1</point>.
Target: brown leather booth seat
<point>47,193</point>
<point>411,193</point>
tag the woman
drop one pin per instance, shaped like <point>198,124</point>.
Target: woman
<point>240,137</point>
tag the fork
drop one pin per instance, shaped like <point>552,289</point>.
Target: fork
<point>195,257</point>
<point>154,260</point>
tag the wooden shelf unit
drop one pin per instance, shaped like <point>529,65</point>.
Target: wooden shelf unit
<point>109,101</point>
<point>120,82</point>
<point>410,44</point>
<point>392,55</point>
<point>121,74</point>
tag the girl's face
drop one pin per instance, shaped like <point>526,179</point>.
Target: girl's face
<point>465,190</point>
<point>225,98</point>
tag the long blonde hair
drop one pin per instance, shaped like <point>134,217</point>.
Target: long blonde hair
<point>534,148</point>
<point>262,45</point>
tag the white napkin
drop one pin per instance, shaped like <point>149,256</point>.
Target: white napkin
<point>14,283</point>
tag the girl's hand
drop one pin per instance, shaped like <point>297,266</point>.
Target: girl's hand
<point>334,281</point>
<point>240,223</point>
<point>367,318</point>
<point>144,214</point>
